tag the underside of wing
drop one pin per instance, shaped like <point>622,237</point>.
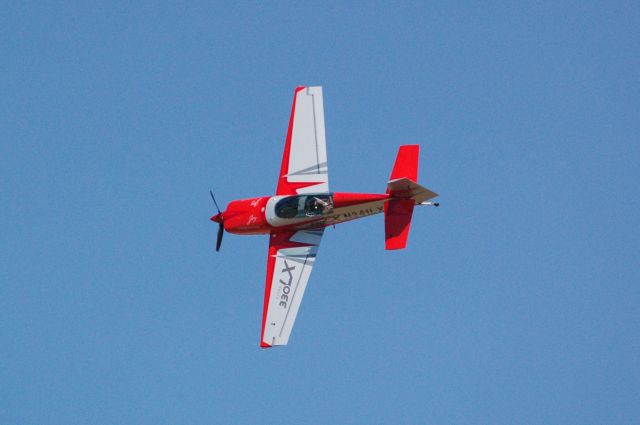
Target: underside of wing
<point>304,162</point>
<point>291,259</point>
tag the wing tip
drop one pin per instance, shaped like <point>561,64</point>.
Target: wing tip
<point>264,345</point>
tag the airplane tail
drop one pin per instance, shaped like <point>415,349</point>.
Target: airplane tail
<point>404,194</point>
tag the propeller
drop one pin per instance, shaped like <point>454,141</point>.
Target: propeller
<point>217,218</point>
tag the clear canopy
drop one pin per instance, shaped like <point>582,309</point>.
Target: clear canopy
<point>304,206</point>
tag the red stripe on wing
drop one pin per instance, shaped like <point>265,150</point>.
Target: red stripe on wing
<point>284,187</point>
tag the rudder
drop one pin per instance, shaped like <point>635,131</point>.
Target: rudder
<point>398,211</point>
<point>406,164</point>
<point>397,221</point>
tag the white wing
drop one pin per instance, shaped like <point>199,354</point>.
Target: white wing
<point>304,162</point>
<point>291,259</point>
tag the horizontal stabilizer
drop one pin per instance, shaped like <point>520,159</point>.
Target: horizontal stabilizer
<point>406,188</point>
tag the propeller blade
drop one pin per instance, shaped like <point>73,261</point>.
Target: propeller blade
<point>220,233</point>
<point>214,200</point>
<point>219,239</point>
<point>219,219</point>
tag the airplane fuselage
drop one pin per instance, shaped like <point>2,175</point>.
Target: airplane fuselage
<point>270,214</point>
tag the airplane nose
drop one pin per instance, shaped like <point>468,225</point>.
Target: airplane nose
<point>217,218</point>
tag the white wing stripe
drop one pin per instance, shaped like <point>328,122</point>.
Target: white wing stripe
<point>293,311</point>
<point>308,152</point>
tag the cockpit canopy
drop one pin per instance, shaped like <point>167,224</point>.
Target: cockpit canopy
<point>302,206</point>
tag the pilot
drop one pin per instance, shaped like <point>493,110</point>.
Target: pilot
<point>315,206</point>
<point>312,207</point>
<point>320,204</point>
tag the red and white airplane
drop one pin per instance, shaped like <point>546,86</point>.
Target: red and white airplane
<point>303,206</point>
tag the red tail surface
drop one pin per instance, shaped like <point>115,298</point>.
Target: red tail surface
<point>397,221</point>
<point>406,163</point>
<point>398,211</point>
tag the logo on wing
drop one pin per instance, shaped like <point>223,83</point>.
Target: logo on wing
<point>285,289</point>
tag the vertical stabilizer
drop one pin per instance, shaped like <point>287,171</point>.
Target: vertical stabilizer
<point>399,209</point>
<point>397,221</point>
<point>406,165</point>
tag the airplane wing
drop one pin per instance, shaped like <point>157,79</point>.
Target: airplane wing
<point>291,258</point>
<point>304,163</point>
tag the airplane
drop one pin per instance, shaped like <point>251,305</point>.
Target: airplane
<point>303,206</point>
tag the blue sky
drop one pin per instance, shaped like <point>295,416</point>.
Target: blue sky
<point>515,302</point>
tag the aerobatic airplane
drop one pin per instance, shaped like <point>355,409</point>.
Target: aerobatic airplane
<point>303,206</point>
